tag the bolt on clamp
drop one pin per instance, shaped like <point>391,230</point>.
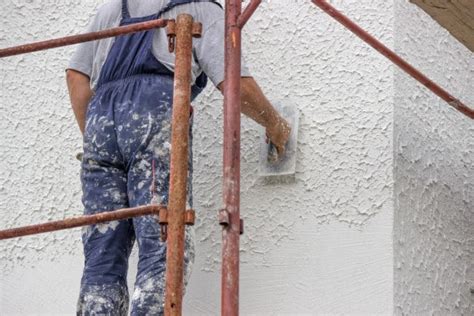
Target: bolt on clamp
<point>171,33</point>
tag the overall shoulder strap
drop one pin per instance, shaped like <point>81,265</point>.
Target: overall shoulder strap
<point>125,12</point>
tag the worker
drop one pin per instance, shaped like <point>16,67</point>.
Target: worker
<point>121,94</point>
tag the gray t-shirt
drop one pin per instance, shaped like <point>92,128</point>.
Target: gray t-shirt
<point>208,50</point>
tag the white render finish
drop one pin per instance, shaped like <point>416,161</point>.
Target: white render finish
<point>434,173</point>
<point>325,241</point>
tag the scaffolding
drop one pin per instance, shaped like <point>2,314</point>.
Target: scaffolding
<point>174,216</point>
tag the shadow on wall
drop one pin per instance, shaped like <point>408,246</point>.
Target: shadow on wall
<point>434,212</point>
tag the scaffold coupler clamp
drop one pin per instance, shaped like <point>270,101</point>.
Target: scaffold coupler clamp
<point>189,219</point>
<point>224,220</point>
<point>197,30</point>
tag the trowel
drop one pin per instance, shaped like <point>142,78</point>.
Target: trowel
<point>269,163</point>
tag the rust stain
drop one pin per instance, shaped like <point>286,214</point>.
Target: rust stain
<point>234,40</point>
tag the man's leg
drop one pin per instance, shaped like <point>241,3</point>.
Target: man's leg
<point>148,297</point>
<point>106,246</point>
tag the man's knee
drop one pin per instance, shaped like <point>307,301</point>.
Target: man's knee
<point>105,299</point>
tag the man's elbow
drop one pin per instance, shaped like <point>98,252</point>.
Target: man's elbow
<point>78,85</point>
<point>70,76</point>
<point>74,77</point>
<point>246,84</point>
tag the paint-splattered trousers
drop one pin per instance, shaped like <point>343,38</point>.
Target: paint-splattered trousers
<point>128,129</point>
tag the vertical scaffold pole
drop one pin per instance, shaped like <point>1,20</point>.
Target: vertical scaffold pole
<point>230,215</point>
<point>178,166</point>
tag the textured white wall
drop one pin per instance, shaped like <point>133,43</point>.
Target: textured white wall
<point>319,242</point>
<point>434,173</point>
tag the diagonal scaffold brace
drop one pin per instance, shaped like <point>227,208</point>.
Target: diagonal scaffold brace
<point>394,58</point>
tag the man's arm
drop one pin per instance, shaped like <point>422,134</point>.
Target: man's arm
<point>80,94</point>
<point>255,105</point>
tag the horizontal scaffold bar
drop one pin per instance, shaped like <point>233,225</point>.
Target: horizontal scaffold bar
<point>76,39</point>
<point>81,221</point>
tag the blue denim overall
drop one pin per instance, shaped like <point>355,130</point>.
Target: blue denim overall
<point>126,157</point>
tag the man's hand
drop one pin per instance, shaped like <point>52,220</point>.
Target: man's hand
<point>255,105</point>
<point>278,135</point>
<point>80,94</point>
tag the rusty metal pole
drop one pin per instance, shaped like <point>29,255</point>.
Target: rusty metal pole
<point>394,58</point>
<point>230,215</point>
<point>75,39</point>
<point>179,166</point>
<point>248,12</point>
<point>80,221</point>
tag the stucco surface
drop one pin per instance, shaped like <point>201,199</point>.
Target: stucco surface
<point>434,173</point>
<point>320,241</point>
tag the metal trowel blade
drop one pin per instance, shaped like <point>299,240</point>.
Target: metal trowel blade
<point>269,163</point>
